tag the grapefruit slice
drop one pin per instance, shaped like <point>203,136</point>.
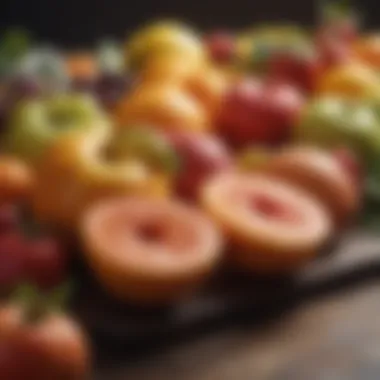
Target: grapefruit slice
<point>149,251</point>
<point>273,227</point>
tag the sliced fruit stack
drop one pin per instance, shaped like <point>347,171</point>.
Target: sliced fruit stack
<point>165,157</point>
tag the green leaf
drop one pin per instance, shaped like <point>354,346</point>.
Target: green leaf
<point>59,298</point>
<point>37,303</point>
<point>25,294</point>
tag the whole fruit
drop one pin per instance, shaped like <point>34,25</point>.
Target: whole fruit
<point>257,112</point>
<point>48,343</point>
<point>209,86</point>
<point>301,69</point>
<point>168,68</point>
<point>221,46</point>
<point>145,144</point>
<point>16,180</point>
<point>161,38</point>
<point>354,79</point>
<point>76,172</point>
<point>167,107</point>
<point>333,122</point>
<point>107,88</point>
<point>200,156</point>
<point>36,124</point>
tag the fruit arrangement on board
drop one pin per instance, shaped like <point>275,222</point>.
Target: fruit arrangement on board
<point>160,159</point>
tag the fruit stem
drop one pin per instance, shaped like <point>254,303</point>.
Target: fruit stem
<point>36,310</point>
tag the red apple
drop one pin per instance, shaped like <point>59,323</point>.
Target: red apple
<point>259,112</point>
<point>200,156</point>
<point>299,69</point>
<point>350,164</point>
<point>221,46</point>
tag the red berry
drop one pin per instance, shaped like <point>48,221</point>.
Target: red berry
<point>46,262</point>
<point>12,260</point>
<point>8,218</point>
<point>9,361</point>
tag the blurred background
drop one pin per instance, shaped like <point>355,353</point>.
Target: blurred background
<point>77,23</point>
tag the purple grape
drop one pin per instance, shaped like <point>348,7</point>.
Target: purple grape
<point>86,86</point>
<point>110,88</point>
<point>22,88</point>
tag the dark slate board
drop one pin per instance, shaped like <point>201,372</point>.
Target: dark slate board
<point>228,296</point>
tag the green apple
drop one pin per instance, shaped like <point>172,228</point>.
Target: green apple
<point>335,122</point>
<point>146,144</point>
<point>36,124</point>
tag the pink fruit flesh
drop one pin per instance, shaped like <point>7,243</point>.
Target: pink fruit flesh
<point>150,233</point>
<point>156,237</point>
<point>274,209</point>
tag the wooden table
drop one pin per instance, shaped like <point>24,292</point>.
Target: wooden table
<point>333,337</point>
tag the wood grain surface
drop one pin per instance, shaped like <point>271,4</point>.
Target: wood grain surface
<point>332,337</point>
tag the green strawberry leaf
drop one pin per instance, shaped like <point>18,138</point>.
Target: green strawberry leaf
<point>59,298</point>
<point>37,303</point>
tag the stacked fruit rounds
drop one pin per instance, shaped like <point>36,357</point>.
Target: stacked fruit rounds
<point>164,157</point>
